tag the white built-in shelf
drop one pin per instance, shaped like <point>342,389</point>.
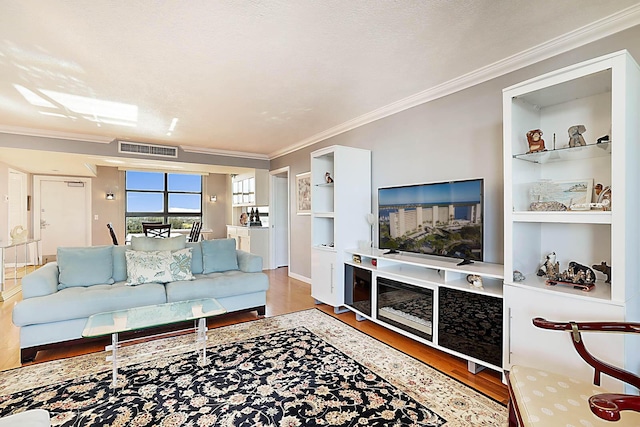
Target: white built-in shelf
<point>325,184</point>
<point>430,272</point>
<point>601,292</point>
<point>484,269</point>
<point>567,154</point>
<point>568,217</point>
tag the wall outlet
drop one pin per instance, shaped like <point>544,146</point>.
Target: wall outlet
<point>95,217</point>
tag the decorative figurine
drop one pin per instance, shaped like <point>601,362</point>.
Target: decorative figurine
<point>518,276</point>
<point>18,234</point>
<point>603,268</point>
<point>327,178</point>
<point>536,143</point>
<point>577,275</point>
<point>550,268</point>
<point>474,280</point>
<point>244,218</point>
<point>575,135</point>
<point>603,196</point>
<point>254,219</point>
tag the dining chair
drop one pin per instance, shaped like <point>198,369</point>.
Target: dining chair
<point>194,235</point>
<point>157,230</point>
<point>112,233</point>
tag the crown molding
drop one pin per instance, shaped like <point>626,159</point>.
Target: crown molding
<point>597,30</point>
<point>42,133</point>
<point>226,153</point>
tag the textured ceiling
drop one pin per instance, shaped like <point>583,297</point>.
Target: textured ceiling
<point>250,76</point>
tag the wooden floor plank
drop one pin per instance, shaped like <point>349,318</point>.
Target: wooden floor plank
<point>285,295</point>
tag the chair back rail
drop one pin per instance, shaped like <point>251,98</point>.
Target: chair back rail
<point>156,230</point>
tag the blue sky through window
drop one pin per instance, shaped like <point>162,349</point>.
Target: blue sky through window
<point>154,202</point>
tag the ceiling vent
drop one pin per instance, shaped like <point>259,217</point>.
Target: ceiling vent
<point>147,149</point>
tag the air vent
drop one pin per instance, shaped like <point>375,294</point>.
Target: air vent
<point>147,149</point>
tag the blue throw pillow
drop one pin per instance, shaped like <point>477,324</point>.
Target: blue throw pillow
<point>196,261</point>
<point>219,255</point>
<point>85,266</point>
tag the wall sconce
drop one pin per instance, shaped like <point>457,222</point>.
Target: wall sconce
<point>213,199</point>
<point>110,196</point>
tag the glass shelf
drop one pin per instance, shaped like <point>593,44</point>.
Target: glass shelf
<point>569,153</point>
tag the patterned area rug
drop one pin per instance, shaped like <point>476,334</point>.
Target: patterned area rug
<point>300,369</point>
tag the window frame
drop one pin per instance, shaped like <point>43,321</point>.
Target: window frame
<point>165,214</point>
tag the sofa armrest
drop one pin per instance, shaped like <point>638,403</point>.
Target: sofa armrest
<point>249,263</point>
<point>43,281</point>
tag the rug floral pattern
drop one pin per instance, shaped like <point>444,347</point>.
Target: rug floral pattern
<point>269,372</point>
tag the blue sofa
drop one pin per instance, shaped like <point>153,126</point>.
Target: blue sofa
<point>59,297</point>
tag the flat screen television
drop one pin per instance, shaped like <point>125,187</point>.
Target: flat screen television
<point>441,219</point>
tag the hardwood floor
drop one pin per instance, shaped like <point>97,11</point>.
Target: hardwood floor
<point>285,295</point>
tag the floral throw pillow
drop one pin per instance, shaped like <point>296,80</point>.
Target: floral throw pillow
<point>158,266</point>
<point>148,267</point>
<point>181,264</point>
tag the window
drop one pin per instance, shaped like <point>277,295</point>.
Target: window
<point>169,198</point>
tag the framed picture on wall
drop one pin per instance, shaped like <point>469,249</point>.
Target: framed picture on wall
<point>303,193</point>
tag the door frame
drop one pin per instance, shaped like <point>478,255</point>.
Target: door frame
<point>273,211</point>
<point>37,208</point>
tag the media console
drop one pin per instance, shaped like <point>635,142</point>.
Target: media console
<point>431,301</point>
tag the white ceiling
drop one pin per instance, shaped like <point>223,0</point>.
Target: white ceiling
<point>252,76</point>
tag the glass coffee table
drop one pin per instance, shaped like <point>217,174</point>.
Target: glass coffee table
<point>138,318</point>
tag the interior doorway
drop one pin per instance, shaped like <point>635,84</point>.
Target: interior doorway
<point>279,218</point>
<point>62,213</point>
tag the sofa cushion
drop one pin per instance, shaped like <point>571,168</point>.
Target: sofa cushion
<point>82,302</point>
<point>143,243</point>
<point>85,266</point>
<point>219,255</point>
<point>217,285</point>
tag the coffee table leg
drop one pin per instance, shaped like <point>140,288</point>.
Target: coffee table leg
<point>201,337</point>
<point>114,360</point>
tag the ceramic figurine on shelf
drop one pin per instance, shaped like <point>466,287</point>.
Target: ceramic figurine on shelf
<point>327,178</point>
<point>577,275</point>
<point>603,268</point>
<point>536,143</point>
<point>474,280</point>
<point>244,218</point>
<point>517,276</point>
<point>550,268</point>
<point>603,196</point>
<point>575,135</point>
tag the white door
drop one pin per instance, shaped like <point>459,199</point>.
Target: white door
<point>63,212</point>
<point>17,201</point>
<point>280,226</point>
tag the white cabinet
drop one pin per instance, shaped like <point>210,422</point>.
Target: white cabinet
<point>602,94</point>
<point>339,212</point>
<point>431,301</point>
<point>254,240</point>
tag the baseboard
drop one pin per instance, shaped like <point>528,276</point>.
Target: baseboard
<point>299,277</point>
<point>5,295</point>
